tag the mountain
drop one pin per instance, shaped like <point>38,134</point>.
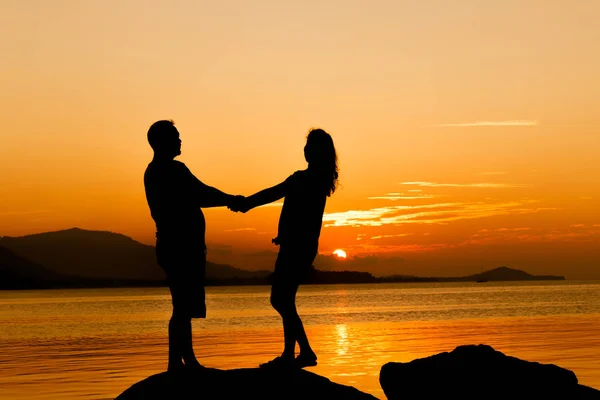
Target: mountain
<point>88,254</point>
<point>509,274</point>
<point>224,271</point>
<point>17,272</point>
<point>84,254</point>
<point>83,258</point>
<point>497,274</point>
<point>325,277</point>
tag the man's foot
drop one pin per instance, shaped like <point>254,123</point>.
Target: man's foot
<point>279,362</point>
<point>306,360</point>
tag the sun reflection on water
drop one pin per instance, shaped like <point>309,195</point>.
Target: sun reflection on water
<point>342,341</point>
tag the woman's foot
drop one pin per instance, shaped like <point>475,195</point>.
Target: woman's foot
<point>175,367</point>
<point>306,360</point>
<point>194,365</point>
<point>280,362</point>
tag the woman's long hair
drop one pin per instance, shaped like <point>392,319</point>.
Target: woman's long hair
<point>322,158</point>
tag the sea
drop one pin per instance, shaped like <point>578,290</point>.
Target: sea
<point>95,343</point>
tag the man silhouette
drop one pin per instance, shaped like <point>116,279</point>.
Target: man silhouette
<point>175,197</point>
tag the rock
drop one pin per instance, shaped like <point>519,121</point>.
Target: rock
<point>258,383</point>
<point>480,372</point>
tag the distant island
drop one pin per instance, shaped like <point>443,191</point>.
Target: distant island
<point>77,258</point>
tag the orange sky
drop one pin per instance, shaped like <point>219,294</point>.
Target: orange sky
<point>467,132</point>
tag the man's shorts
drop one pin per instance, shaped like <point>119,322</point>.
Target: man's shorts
<point>185,267</point>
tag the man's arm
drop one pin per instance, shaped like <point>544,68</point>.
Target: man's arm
<point>209,196</point>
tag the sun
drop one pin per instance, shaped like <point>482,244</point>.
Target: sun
<point>340,253</point>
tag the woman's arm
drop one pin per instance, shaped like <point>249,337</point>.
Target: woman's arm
<point>265,196</point>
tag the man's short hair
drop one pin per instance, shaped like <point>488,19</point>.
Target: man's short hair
<point>158,131</point>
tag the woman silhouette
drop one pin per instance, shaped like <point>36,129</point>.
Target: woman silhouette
<point>300,222</point>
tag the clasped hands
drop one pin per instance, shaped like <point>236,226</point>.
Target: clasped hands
<point>239,203</point>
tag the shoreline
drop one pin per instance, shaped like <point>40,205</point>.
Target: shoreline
<point>120,284</point>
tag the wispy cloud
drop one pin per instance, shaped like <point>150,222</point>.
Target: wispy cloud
<point>441,213</point>
<point>518,235</point>
<point>477,185</point>
<point>404,248</point>
<point>488,123</point>
<point>390,236</point>
<point>401,196</point>
<point>240,229</point>
<point>372,216</point>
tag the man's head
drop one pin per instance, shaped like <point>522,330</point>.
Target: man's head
<point>164,138</point>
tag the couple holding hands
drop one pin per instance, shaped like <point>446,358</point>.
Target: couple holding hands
<point>176,198</point>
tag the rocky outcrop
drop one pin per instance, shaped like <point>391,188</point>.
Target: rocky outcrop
<point>480,372</point>
<point>254,383</point>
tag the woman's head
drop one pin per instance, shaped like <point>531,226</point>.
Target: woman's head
<point>321,157</point>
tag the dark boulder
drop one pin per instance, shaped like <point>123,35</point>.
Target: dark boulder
<point>479,372</point>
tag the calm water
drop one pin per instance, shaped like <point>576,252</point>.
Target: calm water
<point>94,343</point>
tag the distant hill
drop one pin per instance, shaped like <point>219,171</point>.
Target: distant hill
<point>88,254</point>
<point>84,254</point>
<point>83,258</point>
<point>17,272</point>
<point>497,274</point>
<point>509,274</point>
<point>324,277</point>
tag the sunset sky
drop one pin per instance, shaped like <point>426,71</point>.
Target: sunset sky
<point>467,132</point>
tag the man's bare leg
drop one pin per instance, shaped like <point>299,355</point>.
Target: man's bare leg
<point>176,326</point>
